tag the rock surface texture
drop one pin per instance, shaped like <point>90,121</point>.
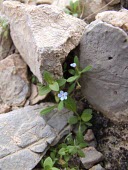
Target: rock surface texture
<point>97,167</point>
<point>105,47</point>
<point>14,86</point>
<point>44,35</point>
<point>117,19</point>
<point>5,39</point>
<point>92,156</point>
<point>25,135</point>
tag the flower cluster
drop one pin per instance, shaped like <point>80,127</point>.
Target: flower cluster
<point>62,95</point>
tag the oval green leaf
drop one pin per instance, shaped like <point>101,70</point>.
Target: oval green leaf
<point>54,86</point>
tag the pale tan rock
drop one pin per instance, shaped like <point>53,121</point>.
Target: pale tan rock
<point>44,35</point>
<point>115,18</point>
<point>14,86</point>
<point>35,97</point>
<point>4,108</point>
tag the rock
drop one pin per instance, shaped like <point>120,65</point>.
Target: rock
<point>14,86</point>
<point>114,2</point>
<point>60,34</point>
<point>97,167</point>
<point>105,47</point>
<point>35,97</point>
<point>63,3</point>
<point>5,39</point>
<point>124,4</point>
<point>92,156</point>
<point>4,108</point>
<point>89,136</point>
<point>92,7</point>
<point>117,19</point>
<point>27,135</point>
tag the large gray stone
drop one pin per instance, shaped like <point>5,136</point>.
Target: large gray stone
<point>25,135</point>
<point>105,47</point>
<point>5,39</point>
<point>14,86</point>
<point>44,35</point>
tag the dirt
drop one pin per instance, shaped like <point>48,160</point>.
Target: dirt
<point>112,139</point>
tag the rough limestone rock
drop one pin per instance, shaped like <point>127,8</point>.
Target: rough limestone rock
<point>14,86</point>
<point>44,35</point>
<point>5,39</point>
<point>92,156</point>
<point>25,136</point>
<point>105,47</point>
<point>117,19</point>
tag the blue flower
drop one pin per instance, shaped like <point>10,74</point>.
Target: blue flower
<point>62,95</point>
<point>73,64</point>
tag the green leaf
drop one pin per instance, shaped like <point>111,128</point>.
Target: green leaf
<point>61,105</point>
<point>76,60</point>
<point>83,145</point>
<point>48,77</point>
<point>79,136</point>
<point>47,110</point>
<point>47,167</point>
<point>73,78</point>
<point>71,71</point>
<point>75,15</point>
<point>67,11</point>
<point>48,162</point>
<point>55,168</point>
<point>43,90</point>
<point>70,104</point>
<point>71,88</point>
<point>54,86</point>
<point>67,157</point>
<point>83,127</point>
<point>52,155</point>
<point>88,68</point>
<point>61,82</point>
<point>73,120</point>
<point>88,124</point>
<point>62,151</point>
<point>81,153</point>
<point>72,150</point>
<point>86,115</point>
<point>57,99</point>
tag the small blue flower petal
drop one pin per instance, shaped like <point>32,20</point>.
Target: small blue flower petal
<point>62,98</point>
<point>73,64</point>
